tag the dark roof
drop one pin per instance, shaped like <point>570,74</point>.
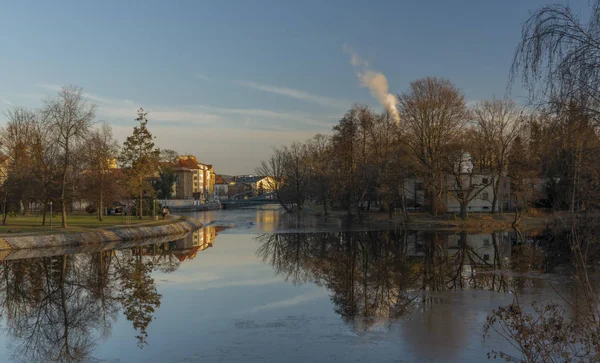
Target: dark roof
<point>248,179</point>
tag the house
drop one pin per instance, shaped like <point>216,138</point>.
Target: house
<point>221,186</point>
<point>257,183</point>
<point>483,201</point>
<point>414,191</point>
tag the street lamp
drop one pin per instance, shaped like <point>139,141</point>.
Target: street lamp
<point>51,215</point>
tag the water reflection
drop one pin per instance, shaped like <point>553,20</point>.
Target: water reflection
<point>57,308</point>
<point>377,276</point>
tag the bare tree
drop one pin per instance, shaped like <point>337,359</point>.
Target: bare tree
<point>275,168</point>
<point>70,117</point>
<point>100,152</point>
<point>15,140</point>
<point>434,114</point>
<point>465,180</point>
<point>558,57</point>
<point>319,152</point>
<point>498,124</point>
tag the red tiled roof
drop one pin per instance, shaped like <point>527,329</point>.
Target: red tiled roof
<point>220,180</point>
<point>191,164</point>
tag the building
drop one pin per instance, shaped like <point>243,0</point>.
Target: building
<point>202,177</point>
<point>257,183</point>
<point>4,161</point>
<point>221,187</point>
<point>483,201</point>
<point>183,187</point>
<point>415,194</point>
<point>189,162</point>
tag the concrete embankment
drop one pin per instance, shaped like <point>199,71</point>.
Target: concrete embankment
<point>178,226</point>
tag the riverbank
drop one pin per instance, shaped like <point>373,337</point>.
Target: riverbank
<point>477,222</point>
<point>175,225</point>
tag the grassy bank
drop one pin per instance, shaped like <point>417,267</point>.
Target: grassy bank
<point>76,223</point>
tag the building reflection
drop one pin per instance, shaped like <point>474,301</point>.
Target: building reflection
<point>58,308</point>
<point>267,220</point>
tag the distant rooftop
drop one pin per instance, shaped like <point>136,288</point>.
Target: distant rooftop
<point>248,179</point>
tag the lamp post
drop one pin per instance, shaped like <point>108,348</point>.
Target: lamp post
<point>50,215</point>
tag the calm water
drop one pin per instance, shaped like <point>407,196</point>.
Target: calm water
<point>255,285</point>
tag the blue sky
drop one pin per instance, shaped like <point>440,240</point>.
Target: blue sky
<point>227,80</point>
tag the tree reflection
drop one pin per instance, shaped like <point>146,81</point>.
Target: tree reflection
<point>377,276</point>
<point>138,294</point>
<point>58,308</point>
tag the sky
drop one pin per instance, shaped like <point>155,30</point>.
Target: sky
<point>229,80</point>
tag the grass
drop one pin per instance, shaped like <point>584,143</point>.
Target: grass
<point>76,223</point>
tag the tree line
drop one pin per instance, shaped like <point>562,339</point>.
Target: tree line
<point>60,153</point>
<point>547,155</point>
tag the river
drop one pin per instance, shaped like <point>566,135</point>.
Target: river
<point>258,285</point>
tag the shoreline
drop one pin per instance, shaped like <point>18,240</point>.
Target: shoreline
<point>450,223</point>
<point>177,225</point>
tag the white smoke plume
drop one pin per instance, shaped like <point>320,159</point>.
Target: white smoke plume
<point>375,81</point>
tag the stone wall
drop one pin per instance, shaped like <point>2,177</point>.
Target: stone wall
<point>179,226</point>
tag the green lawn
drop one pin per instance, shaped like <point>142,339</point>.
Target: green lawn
<point>29,224</point>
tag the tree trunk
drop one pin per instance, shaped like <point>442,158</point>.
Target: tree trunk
<point>463,210</point>
<point>101,202</point>
<point>495,188</point>
<point>44,212</point>
<point>325,205</point>
<point>141,201</point>
<point>63,189</point>
<point>4,211</point>
<point>101,206</point>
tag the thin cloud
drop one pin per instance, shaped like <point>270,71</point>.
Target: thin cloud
<point>203,77</point>
<point>293,93</point>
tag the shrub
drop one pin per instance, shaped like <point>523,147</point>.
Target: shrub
<point>91,209</point>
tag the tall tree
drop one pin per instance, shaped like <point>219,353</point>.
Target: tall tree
<point>101,151</point>
<point>275,167</point>
<point>70,117</point>
<point>139,159</point>
<point>15,138</point>
<point>465,180</point>
<point>434,114</point>
<point>498,124</point>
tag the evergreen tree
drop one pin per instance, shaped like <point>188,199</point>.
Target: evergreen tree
<point>139,159</point>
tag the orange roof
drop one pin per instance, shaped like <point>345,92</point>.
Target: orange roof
<point>188,163</point>
<point>220,180</point>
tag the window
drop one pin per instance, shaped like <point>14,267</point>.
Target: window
<point>505,185</point>
<point>485,180</point>
<point>486,242</point>
<point>485,196</point>
<point>486,257</point>
<point>418,186</point>
<point>485,207</point>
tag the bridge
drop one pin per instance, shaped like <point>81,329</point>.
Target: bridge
<point>242,200</point>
